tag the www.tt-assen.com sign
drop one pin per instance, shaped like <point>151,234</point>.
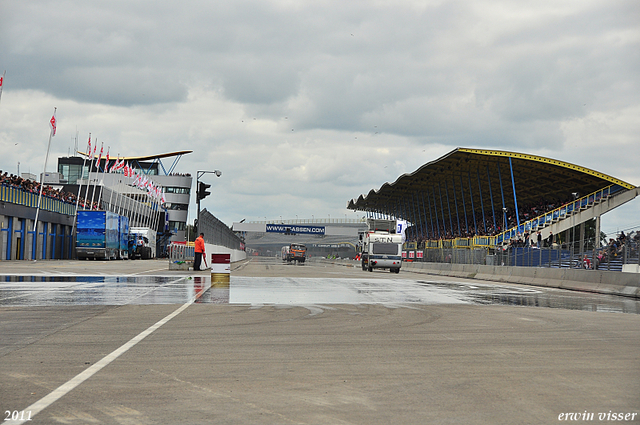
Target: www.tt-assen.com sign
<point>307,230</point>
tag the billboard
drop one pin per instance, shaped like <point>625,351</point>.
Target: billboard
<point>294,229</point>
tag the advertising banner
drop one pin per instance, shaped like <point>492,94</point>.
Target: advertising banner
<point>292,229</point>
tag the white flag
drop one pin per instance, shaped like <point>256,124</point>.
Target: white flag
<point>53,123</point>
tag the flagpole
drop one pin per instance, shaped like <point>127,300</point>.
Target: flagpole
<point>111,194</point>
<point>2,82</point>
<point>84,161</point>
<point>106,164</point>
<point>95,185</point>
<point>46,158</point>
<point>91,153</point>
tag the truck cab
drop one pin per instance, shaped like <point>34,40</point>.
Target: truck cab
<point>382,250</point>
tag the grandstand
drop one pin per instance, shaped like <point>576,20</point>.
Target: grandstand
<point>490,199</point>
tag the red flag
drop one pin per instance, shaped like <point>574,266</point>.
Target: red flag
<point>53,123</point>
<point>100,156</point>
<point>89,150</point>
<point>106,164</point>
<point>115,163</point>
<point>2,82</point>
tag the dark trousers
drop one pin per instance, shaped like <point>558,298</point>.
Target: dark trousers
<point>197,260</point>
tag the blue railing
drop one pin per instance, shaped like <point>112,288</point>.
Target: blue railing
<point>532,225</point>
<point>559,213</point>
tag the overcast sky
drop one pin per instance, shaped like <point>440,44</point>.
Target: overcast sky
<point>305,105</point>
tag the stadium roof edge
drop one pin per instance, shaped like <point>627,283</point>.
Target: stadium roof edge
<point>449,159</point>
<point>147,157</point>
<point>547,161</point>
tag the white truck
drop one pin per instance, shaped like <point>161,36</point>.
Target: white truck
<point>143,240</point>
<point>382,250</point>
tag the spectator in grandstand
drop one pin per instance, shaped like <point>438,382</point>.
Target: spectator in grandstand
<point>34,187</point>
<point>550,240</point>
<point>612,248</point>
<point>586,263</point>
<point>539,240</point>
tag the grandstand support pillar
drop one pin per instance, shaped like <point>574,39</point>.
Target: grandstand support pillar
<point>581,241</point>
<point>473,208</point>
<point>417,215</point>
<point>424,210</point>
<point>444,222</point>
<point>484,220</point>
<point>42,246</point>
<point>29,239</point>
<point>493,211</point>
<point>597,241</point>
<point>3,242</point>
<point>15,247</point>
<point>464,208</point>
<point>455,201</point>
<point>515,198</point>
<point>435,208</point>
<point>446,189</point>
<point>504,207</point>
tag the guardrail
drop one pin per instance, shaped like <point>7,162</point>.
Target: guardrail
<point>559,213</point>
<point>20,196</point>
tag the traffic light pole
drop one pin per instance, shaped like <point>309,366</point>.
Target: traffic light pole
<point>201,191</point>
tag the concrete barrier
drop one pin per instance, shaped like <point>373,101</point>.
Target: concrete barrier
<point>597,281</point>
<point>236,254</point>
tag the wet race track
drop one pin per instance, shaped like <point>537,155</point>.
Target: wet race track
<point>319,343</point>
<point>52,290</point>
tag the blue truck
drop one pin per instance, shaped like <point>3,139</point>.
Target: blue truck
<point>100,235</point>
<point>123,231</point>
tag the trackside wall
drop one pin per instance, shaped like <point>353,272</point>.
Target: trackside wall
<point>236,254</point>
<point>598,281</point>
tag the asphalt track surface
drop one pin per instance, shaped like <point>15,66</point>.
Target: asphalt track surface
<point>133,343</point>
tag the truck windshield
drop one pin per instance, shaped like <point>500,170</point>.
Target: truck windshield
<point>385,248</point>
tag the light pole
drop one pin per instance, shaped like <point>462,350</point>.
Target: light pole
<point>504,220</point>
<point>573,227</point>
<point>201,191</point>
<point>504,233</point>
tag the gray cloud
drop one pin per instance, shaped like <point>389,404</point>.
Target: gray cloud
<point>328,93</point>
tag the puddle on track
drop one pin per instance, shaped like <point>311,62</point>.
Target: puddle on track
<point>121,290</point>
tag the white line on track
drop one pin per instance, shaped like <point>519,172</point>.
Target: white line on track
<point>68,386</point>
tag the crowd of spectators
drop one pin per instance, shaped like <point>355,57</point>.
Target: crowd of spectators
<point>615,248</point>
<point>31,186</point>
<point>482,226</point>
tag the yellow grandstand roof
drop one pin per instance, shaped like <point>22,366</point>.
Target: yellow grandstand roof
<point>475,179</point>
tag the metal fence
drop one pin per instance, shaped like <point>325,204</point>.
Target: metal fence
<point>181,252</point>
<point>217,233</point>
<point>557,257</point>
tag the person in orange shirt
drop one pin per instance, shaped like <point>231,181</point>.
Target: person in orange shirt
<point>199,252</point>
